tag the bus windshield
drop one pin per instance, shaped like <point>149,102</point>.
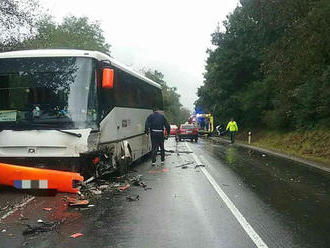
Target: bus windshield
<point>42,93</point>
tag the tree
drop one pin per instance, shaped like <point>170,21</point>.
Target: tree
<point>17,21</point>
<point>173,109</point>
<point>73,32</point>
<point>270,67</point>
<point>299,65</point>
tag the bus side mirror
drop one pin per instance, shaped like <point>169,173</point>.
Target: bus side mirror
<point>107,78</point>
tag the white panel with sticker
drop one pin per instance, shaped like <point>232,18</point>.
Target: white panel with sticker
<point>8,115</point>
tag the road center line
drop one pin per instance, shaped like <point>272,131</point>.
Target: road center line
<point>20,205</point>
<point>239,217</point>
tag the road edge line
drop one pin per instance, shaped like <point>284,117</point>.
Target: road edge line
<point>20,205</point>
<point>254,236</point>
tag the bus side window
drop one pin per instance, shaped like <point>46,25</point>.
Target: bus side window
<point>159,98</point>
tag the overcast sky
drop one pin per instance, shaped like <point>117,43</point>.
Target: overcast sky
<point>171,36</point>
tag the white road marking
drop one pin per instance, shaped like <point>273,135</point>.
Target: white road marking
<point>239,217</point>
<point>18,206</point>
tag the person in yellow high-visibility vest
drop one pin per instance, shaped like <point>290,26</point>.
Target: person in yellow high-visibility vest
<point>233,128</point>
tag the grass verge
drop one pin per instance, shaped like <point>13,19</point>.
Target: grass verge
<point>311,145</point>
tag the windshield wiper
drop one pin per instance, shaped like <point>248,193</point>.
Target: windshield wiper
<point>70,133</point>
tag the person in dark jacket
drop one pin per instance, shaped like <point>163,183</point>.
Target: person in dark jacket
<point>154,125</point>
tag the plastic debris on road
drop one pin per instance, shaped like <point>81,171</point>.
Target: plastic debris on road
<point>123,188</point>
<point>79,203</point>
<point>76,235</point>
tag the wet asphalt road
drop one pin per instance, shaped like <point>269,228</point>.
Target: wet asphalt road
<point>285,203</point>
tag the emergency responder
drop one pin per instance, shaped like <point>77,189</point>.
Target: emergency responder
<point>154,125</point>
<point>233,128</point>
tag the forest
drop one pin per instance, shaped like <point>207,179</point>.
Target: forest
<point>269,66</point>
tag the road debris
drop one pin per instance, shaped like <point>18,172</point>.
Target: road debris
<point>199,165</point>
<point>130,198</point>
<point>79,203</point>
<point>4,208</point>
<point>47,209</point>
<point>40,228</point>
<point>95,191</point>
<point>76,235</point>
<point>89,180</point>
<point>184,165</point>
<point>172,151</point>
<point>3,230</point>
<point>40,221</point>
<point>136,181</point>
<point>123,188</point>
<point>104,187</point>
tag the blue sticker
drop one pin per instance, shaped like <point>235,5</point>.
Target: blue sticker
<point>18,184</point>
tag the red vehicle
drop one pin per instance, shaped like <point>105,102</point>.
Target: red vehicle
<point>174,128</point>
<point>187,131</point>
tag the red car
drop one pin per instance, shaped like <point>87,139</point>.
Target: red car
<point>187,131</point>
<point>173,129</point>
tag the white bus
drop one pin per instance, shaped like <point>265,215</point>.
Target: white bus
<point>73,110</point>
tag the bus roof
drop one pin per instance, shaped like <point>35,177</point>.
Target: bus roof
<point>75,53</point>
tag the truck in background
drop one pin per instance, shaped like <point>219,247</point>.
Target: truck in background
<point>204,123</point>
